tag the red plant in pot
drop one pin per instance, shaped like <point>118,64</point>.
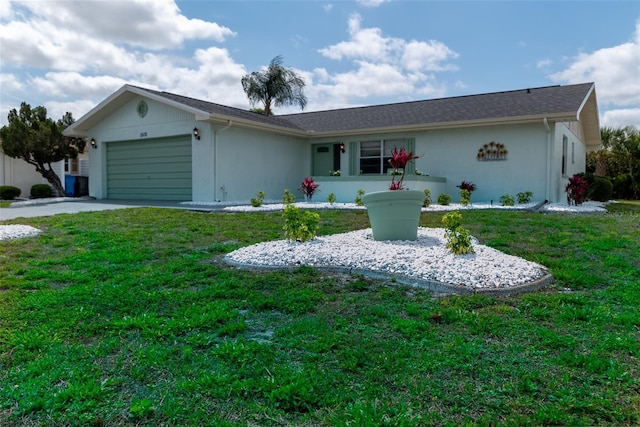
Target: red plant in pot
<point>399,161</point>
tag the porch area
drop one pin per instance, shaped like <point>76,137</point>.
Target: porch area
<point>346,187</point>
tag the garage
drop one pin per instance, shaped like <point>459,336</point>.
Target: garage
<point>154,169</point>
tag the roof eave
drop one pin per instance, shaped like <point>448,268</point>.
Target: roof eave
<point>445,125</point>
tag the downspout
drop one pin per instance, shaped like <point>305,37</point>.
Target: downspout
<point>215,160</point>
<point>547,196</point>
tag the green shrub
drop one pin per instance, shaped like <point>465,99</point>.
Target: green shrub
<point>524,197</point>
<point>331,198</point>
<point>507,200</point>
<point>427,198</point>
<point>358,201</point>
<point>41,191</point>
<point>8,192</point>
<point>257,201</point>
<point>444,199</point>
<point>288,197</point>
<point>299,226</point>
<point>465,197</point>
<point>601,189</point>
<point>458,237</point>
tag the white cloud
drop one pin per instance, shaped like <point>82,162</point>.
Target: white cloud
<point>544,63</point>
<point>371,3</point>
<point>383,67</point>
<point>61,51</point>
<point>133,22</point>
<point>614,70</point>
<point>427,56</point>
<point>366,44</point>
<point>621,118</point>
<point>328,7</point>
<point>369,44</point>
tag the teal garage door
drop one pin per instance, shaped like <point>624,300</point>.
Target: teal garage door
<point>154,169</point>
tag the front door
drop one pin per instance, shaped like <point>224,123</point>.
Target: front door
<point>326,159</point>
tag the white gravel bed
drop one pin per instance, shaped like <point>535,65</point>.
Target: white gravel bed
<point>8,232</point>
<point>274,205</point>
<point>425,262</point>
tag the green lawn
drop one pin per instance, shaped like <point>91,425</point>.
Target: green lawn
<point>130,317</point>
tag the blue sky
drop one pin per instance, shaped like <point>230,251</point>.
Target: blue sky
<point>70,55</point>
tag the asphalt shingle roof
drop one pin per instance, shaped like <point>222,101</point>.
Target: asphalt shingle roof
<point>542,101</point>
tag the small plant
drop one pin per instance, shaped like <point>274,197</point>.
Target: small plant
<point>576,190</point>
<point>331,198</point>
<point>288,197</point>
<point>465,197</point>
<point>299,226</point>
<point>458,237</point>
<point>507,200</point>
<point>444,199</point>
<point>466,188</point>
<point>427,198</point>
<point>335,173</point>
<point>524,197</point>
<point>41,191</point>
<point>308,187</point>
<point>358,201</point>
<point>8,192</point>
<point>257,201</point>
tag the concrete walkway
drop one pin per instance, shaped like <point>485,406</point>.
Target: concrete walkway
<point>49,207</point>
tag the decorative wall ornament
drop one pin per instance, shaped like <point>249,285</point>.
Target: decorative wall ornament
<point>492,151</point>
<point>142,108</point>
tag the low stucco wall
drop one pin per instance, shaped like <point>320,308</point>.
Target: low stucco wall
<point>346,187</point>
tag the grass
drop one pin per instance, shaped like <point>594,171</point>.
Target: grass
<point>130,317</point>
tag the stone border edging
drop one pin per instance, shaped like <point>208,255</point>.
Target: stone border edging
<point>429,285</point>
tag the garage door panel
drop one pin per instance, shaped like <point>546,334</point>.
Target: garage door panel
<point>157,169</point>
<point>120,184</point>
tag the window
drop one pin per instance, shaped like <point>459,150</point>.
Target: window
<point>565,143</point>
<point>71,166</point>
<point>375,155</point>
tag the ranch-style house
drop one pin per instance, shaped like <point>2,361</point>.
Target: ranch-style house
<point>153,145</point>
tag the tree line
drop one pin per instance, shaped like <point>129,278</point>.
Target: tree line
<point>618,161</point>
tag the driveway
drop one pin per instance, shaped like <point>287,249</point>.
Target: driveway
<point>48,207</point>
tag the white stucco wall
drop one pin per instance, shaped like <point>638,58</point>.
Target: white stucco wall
<point>249,161</point>
<point>452,153</point>
<point>576,159</point>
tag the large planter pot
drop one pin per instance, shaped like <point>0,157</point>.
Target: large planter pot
<point>394,215</point>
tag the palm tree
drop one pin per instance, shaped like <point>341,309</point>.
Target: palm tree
<point>276,85</point>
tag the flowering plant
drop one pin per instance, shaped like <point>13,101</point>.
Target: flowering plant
<point>398,161</point>
<point>576,190</point>
<point>308,187</point>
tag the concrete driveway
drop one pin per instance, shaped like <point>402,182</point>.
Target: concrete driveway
<point>48,207</point>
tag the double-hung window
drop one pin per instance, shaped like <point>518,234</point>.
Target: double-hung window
<point>375,155</point>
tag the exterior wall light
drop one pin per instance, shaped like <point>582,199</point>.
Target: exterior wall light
<point>93,143</point>
<point>342,149</point>
<point>196,134</point>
